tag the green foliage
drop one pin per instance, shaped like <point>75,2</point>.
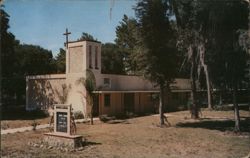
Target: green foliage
<point>60,61</point>
<point>189,41</point>
<point>88,37</point>
<point>126,33</point>
<point>228,59</point>
<point>78,115</point>
<point>217,25</point>
<point>34,60</point>
<point>31,60</point>
<point>17,61</point>
<point>112,59</point>
<point>126,40</point>
<point>8,42</point>
<point>8,60</point>
<point>20,113</point>
<point>90,86</point>
<point>156,54</point>
<point>89,83</point>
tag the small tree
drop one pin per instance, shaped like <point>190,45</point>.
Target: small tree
<point>156,54</point>
<point>90,85</point>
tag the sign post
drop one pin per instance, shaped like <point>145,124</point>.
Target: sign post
<point>62,116</point>
<point>62,135</point>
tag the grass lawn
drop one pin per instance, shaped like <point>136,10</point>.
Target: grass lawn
<point>209,137</point>
<point>8,124</point>
<point>19,117</point>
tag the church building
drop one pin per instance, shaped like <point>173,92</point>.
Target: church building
<point>115,94</point>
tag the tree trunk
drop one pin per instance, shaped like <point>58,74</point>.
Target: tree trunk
<point>161,112</point>
<point>91,116</point>
<point>202,62</point>
<point>91,112</point>
<point>220,101</point>
<point>248,22</point>
<point>90,104</point>
<point>236,110</point>
<point>194,107</point>
<point>209,98</point>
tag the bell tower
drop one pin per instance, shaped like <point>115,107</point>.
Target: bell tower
<point>83,55</point>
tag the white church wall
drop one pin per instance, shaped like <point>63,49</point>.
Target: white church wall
<point>77,94</point>
<point>43,91</point>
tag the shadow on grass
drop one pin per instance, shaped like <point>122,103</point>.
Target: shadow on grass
<point>88,143</point>
<point>122,118</point>
<point>117,122</point>
<point>113,120</point>
<point>22,114</point>
<point>221,125</point>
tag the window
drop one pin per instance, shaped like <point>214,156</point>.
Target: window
<point>96,57</point>
<point>107,100</point>
<point>90,57</point>
<point>106,81</point>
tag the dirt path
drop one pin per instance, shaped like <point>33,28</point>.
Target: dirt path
<point>29,128</point>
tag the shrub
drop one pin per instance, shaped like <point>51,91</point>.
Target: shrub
<point>78,115</point>
<point>106,118</point>
<point>4,126</point>
<point>34,124</point>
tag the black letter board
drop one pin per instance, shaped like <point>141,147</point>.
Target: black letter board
<point>61,125</point>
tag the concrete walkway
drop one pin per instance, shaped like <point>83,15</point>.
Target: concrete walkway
<point>29,128</point>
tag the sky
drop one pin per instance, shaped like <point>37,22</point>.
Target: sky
<point>43,22</point>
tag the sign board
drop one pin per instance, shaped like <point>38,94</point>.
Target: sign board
<point>61,124</point>
<point>62,115</point>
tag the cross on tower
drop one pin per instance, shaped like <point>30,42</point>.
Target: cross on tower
<point>67,34</point>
